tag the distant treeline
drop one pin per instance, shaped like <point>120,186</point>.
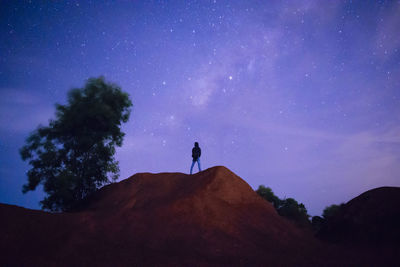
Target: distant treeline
<point>297,212</point>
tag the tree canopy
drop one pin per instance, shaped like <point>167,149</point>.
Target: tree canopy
<point>268,194</point>
<point>294,211</point>
<point>287,207</point>
<point>331,211</point>
<point>75,154</point>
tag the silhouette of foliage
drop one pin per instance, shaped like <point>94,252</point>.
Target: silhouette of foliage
<point>330,211</point>
<point>267,194</point>
<point>288,207</point>
<point>328,215</point>
<point>317,223</point>
<point>74,155</point>
<point>294,211</point>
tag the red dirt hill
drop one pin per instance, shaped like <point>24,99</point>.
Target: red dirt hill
<point>372,217</point>
<point>210,218</point>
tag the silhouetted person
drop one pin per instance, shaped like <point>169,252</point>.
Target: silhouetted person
<point>196,153</point>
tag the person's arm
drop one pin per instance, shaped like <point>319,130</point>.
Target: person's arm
<point>199,152</point>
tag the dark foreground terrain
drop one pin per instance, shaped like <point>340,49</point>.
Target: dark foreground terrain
<point>212,218</point>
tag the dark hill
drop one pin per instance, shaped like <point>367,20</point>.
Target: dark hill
<point>372,217</point>
<point>210,218</point>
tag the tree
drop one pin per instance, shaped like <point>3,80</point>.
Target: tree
<point>328,216</point>
<point>268,194</point>
<point>294,211</point>
<point>288,207</point>
<point>317,222</point>
<point>74,155</point>
<point>331,211</point>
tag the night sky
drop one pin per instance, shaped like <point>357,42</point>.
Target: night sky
<point>301,96</point>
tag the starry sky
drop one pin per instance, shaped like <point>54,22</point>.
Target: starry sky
<point>302,96</point>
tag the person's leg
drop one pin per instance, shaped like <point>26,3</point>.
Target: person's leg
<point>198,164</point>
<point>191,168</point>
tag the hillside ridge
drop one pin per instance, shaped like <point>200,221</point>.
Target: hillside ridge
<point>212,216</point>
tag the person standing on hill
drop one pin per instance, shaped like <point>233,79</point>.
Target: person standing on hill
<point>196,153</point>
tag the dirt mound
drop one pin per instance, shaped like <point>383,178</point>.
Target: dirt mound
<point>210,218</point>
<point>372,217</point>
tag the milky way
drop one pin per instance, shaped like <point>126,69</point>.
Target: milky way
<point>301,96</point>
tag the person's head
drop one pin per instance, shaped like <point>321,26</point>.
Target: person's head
<point>196,144</point>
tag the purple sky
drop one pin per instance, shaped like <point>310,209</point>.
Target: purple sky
<point>301,96</point>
